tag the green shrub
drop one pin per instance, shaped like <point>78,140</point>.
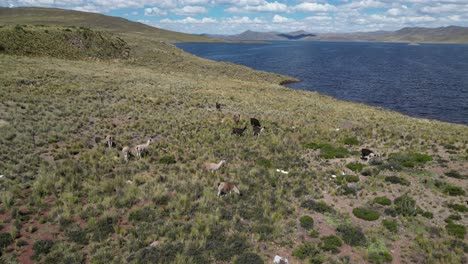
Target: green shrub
<point>327,151</point>
<point>320,206</point>
<point>382,200</point>
<point>305,250</point>
<point>366,213</point>
<point>408,160</point>
<point>454,190</point>
<point>78,236</point>
<point>380,257</point>
<point>352,235</point>
<point>143,214</point>
<point>42,247</point>
<point>249,258</point>
<point>458,207</point>
<point>397,180</point>
<point>455,174</point>
<point>428,214</point>
<point>5,240</point>
<point>331,243</point>
<point>391,226</point>
<point>266,163</point>
<point>353,141</point>
<point>452,217</point>
<point>405,205</point>
<point>355,166</point>
<point>307,222</point>
<point>458,231</point>
<point>104,227</point>
<point>21,243</point>
<point>168,159</point>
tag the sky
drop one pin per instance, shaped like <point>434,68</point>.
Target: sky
<point>236,16</point>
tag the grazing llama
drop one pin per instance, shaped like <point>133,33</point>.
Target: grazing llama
<point>109,141</point>
<point>236,118</point>
<point>227,187</point>
<point>239,131</point>
<point>254,122</point>
<point>367,154</point>
<point>212,167</point>
<point>257,131</point>
<point>126,153</point>
<point>142,148</point>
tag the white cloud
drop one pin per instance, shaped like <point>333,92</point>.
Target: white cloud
<point>314,7</point>
<point>189,20</point>
<point>190,10</point>
<point>281,19</point>
<point>154,11</point>
<point>258,6</point>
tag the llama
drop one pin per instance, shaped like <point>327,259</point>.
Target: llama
<point>212,167</point>
<point>227,187</point>
<point>257,131</point>
<point>239,131</point>
<point>109,141</point>
<point>367,154</point>
<point>236,118</point>
<point>218,106</point>
<point>254,122</point>
<point>126,153</point>
<point>142,148</point>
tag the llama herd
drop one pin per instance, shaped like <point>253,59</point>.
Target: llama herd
<point>224,188</point>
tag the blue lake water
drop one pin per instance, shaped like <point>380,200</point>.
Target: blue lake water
<point>429,80</point>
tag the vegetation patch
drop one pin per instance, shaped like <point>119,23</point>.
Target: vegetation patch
<point>366,213</point>
<point>427,214</point>
<point>453,190</point>
<point>168,159</point>
<point>355,166</point>
<point>458,207</point>
<point>408,160</point>
<point>5,240</point>
<point>458,231</point>
<point>307,222</point>
<point>452,217</point>
<point>352,141</point>
<point>305,250</point>
<point>331,243</point>
<point>405,205</point>
<point>382,200</point>
<point>397,180</point>
<point>377,252</point>
<point>249,258</point>
<point>390,225</point>
<point>143,214</point>
<point>317,206</point>
<point>327,151</point>
<point>42,247</point>
<point>455,174</point>
<point>352,236</point>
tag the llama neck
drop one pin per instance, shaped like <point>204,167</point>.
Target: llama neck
<point>219,164</point>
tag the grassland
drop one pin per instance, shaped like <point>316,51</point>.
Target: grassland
<point>66,197</point>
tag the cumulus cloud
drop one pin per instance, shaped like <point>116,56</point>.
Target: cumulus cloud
<point>281,19</point>
<point>154,11</point>
<point>189,20</point>
<point>262,6</point>
<point>190,10</point>
<point>314,7</point>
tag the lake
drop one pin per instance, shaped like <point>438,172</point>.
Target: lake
<point>429,80</point>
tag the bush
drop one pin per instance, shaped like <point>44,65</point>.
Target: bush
<point>454,190</point>
<point>428,214</point>
<point>307,222</point>
<point>382,200</point>
<point>249,258</point>
<point>78,236</point>
<point>143,214</point>
<point>366,213</point>
<point>391,226</point>
<point>455,174</point>
<point>397,180</point>
<point>168,159</point>
<point>327,151</point>
<point>331,243</point>
<point>352,235</point>
<point>405,205</point>
<point>409,160</point>
<point>42,247</point>
<point>264,163</point>
<point>320,206</point>
<point>458,207</point>
<point>452,218</point>
<point>305,250</point>
<point>5,240</point>
<point>458,231</point>
<point>351,141</point>
<point>104,227</point>
<point>355,166</point>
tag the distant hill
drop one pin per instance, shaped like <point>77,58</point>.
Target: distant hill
<point>450,34</point>
<point>256,36</point>
<point>61,17</point>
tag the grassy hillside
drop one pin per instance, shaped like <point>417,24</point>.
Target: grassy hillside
<point>61,17</point>
<point>66,197</point>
